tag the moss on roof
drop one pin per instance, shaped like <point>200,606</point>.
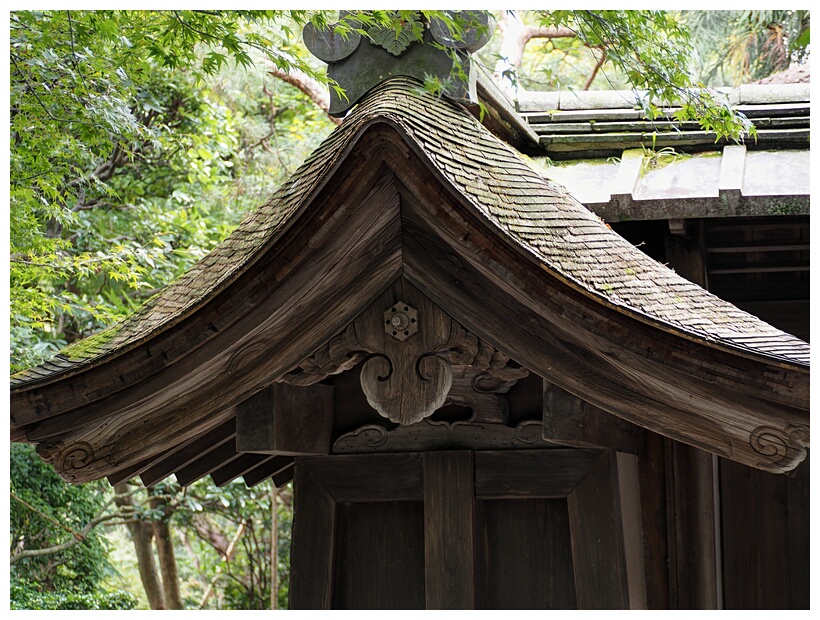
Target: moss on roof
<point>535,213</point>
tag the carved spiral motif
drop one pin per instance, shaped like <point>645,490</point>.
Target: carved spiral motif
<point>76,456</point>
<point>529,431</point>
<point>782,447</point>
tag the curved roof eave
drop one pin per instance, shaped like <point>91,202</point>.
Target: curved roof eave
<point>537,215</point>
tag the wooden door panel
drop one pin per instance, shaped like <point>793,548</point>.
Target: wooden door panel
<point>457,530</point>
<point>379,555</point>
<point>525,555</point>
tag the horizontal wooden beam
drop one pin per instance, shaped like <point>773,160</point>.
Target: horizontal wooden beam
<point>286,419</point>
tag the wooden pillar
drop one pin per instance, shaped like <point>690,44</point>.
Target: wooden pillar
<point>693,528</point>
<point>312,547</point>
<point>596,531</point>
<point>449,530</point>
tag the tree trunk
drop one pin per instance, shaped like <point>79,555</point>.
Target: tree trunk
<point>142,533</point>
<point>167,557</point>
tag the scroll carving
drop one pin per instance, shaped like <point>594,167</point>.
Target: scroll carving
<point>784,448</point>
<point>66,459</point>
<point>410,349</point>
<point>342,353</point>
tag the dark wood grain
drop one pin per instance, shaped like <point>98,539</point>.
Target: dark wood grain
<point>526,555</point>
<point>570,421</point>
<point>652,480</point>
<point>531,473</point>
<point>760,560</point>
<point>238,467</point>
<point>189,451</point>
<point>267,469</point>
<point>379,555</point>
<point>313,543</point>
<point>377,477</point>
<point>449,530</point>
<point>208,462</point>
<point>286,420</point>
<point>597,538</point>
<point>693,526</point>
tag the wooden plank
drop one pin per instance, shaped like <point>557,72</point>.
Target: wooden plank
<point>188,452</point>
<point>286,419</point>
<point>757,562</point>
<point>238,467</point>
<point>652,480</point>
<point>125,474</point>
<point>283,476</point>
<point>379,555</point>
<point>570,421</point>
<point>449,530</point>
<point>369,478</point>
<point>313,542</point>
<point>630,502</point>
<point>207,463</point>
<point>693,523</point>
<point>798,492</point>
<point>597,538</point>
<point>531,473</point>
<point>267,469</point>
<point>525,555</point>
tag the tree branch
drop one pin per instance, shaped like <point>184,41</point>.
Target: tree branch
<point>309,86</point>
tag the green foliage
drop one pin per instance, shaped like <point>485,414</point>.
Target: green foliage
<point>653,50</point>
<point>735,47</point>
<point>130,159</point>
<point>70,577</point>
<point>28,595</point>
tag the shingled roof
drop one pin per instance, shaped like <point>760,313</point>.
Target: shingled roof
<point>166,381</point>
<point>536,213</point>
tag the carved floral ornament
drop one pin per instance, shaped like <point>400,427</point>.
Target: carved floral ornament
<point>408,368</point>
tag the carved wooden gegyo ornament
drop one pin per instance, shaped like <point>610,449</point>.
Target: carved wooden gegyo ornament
<point>409,346</point>
<point>406,381</point>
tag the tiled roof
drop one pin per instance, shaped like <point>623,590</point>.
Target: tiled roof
<point>537,214</point>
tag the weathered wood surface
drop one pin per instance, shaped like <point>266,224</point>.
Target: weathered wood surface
<point>313,542</point>
<point>449,530</point>
<point>569,421</point>
<point>208,462</point>
<point>766,561</point>
<point>379,555</point>
<point>597,538</point>
<point>357,252</point>
<point>693,528</point>
<point>188,452</point>
<point>286,420</point>
<point>525,555</point>
<point>405,381</point>
<point>369,478</point>
<point>654,515</point>
<point>531,473</point>
<point>647,376</point>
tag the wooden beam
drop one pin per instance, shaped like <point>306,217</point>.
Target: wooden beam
<point>449,530</point>
<point>570,421</point>
<point>313,542</point>
<point>267,469</point>
<point>596,532</point>
<point>286,419</point>
<point>208,462</point>
<point>188,452</point>
<point>530,473</point>
<point>238,467</point>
